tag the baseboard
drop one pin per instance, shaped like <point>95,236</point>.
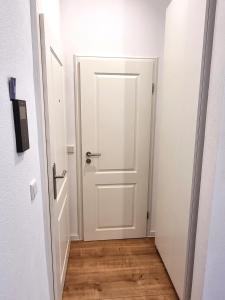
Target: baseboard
<point>74,237</point>
<point>151,234</point>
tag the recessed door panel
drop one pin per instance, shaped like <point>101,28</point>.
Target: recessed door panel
<point>116,121</point>
<point>115,204</point>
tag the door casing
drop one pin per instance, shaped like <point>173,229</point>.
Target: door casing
<point>78,139</point>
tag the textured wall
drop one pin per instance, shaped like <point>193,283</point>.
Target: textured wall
<point>22,252</point>
<point>107,28</point>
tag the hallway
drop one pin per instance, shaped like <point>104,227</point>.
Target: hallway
<point>112,150</point>
<point>118,269</point>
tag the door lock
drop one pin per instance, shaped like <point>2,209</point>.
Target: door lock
<point>88,161</point>
<point>89,155</point>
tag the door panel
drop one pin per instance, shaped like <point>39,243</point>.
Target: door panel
<point>56,148</point>
<point>115,206</point>
<point>122,133</point>
<point>115,115</point>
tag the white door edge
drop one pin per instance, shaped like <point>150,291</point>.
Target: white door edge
<point>78,138</point>
<point>46,128</point>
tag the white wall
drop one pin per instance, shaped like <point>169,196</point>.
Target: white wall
<point>22,250</point>
<point>106,28</point>
<point>209,267</point>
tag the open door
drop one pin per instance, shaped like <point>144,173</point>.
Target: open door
<point>189,27</point>
<point>52,68</point>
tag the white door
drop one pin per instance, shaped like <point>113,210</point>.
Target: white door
<point>177,155</point>
<point>57,157</point>
<point>116,102</point>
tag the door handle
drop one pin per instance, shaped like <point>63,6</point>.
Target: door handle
<point>89,154</point>
<point>61,176</point>
<point>56,177</point>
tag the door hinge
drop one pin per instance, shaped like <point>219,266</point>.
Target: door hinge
<point>153,88</point>
<point>147,215</point>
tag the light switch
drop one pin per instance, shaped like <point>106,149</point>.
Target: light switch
<point>33,189</point>
<point>70,149</point>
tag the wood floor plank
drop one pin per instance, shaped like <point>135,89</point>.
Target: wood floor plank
<point>117,270</point>
<point>111,263</point>
<point>112,251</point>
<point>129,274</point>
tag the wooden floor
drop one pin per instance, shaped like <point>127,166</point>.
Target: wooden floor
<point>118,270</point>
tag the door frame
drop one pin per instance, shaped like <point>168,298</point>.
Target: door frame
<point>78,140</point>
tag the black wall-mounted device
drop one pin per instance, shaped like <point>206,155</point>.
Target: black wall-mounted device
<point>21,126</point>
<point>20,118</point>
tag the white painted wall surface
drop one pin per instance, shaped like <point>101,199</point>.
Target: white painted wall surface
<point>107,28</point>
<point>22,250</point>
<point>209,267</point>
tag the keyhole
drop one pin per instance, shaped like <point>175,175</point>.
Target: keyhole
<point>59,101</point>
<point>88,160</point>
